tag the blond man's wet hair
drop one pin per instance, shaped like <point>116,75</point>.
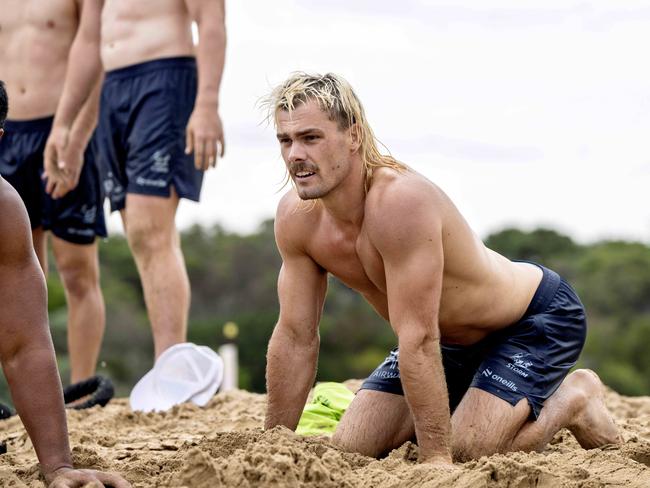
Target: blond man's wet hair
<point>336,97</point>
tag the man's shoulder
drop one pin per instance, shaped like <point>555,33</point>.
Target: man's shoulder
<point>14,223</point>
<point>295,219</point>
<point>9,200</point>
<point>402,194</point>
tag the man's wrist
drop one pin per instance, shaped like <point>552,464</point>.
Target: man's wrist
<point>443,457</point>
<point>77,141</point>
<point>207,102</point>
<point>51,471</point>
<point>59,124</point>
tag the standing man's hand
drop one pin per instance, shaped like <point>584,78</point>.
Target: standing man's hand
<point>63,160</point>
<point>204,137</point>
<point>54,147</point>
<point>77,478</point>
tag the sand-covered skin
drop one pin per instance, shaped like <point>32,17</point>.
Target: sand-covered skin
<point>223,445</point>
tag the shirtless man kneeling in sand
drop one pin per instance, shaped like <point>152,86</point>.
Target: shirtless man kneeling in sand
<point>485,344</point>
<point>26,349</point>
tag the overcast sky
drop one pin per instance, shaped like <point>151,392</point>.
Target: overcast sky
<point>525,113</point>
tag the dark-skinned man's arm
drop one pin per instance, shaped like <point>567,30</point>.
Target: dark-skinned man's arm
<point>26,350</point>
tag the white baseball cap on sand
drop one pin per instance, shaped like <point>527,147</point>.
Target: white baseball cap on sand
<point>184,372</point>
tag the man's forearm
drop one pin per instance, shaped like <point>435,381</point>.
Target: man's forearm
<point>85,123</point>
<point>84,68</point>
<point>290,374</point>
<point>211,53</point>
<point>425,389</point>
<point>36,392</point>
<point>80,80</point>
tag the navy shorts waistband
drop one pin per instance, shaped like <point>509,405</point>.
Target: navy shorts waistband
<point>41,124</point>
<point>148,66</point>
<point>545,291</point>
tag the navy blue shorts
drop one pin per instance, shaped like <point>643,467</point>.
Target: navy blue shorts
<point>526,360</point>
<point>143,114</point>
<point>77,217</point>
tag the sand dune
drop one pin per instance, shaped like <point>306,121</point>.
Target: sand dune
<point>223,445</point>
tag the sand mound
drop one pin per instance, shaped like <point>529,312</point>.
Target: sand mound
<point>223,445</point>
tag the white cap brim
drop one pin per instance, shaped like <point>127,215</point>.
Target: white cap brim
<point>184,372</point>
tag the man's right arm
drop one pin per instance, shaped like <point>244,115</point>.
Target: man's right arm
<point>27,354</point>
<point>293,349</point>
<point>82,76</point>
<point>84,65</point>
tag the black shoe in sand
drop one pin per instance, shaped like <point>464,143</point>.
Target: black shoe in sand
<point>98,388</point>
<point>5,411</point>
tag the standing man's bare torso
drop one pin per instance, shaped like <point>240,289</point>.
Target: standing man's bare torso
<point>135,32</point>
<point>481,290</point>
<point>35,38</point>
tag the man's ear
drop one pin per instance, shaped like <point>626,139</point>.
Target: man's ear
<point>2,131</point>
<point>355,138</point>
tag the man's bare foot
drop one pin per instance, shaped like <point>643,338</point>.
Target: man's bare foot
<point>593,425</point>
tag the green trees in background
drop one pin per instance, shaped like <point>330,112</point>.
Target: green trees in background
<point>234,279</point>
<point>613,281</point>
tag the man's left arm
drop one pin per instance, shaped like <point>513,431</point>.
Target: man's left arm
<point>204,129</point>
<point>408,236</point>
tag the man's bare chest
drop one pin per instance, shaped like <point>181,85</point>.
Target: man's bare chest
<point>33,31</point>
<point>27,15</point>
<point>350,256</point>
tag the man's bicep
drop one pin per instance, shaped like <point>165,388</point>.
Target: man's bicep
<point>302,285</point>
<point>215,9</point>
<point>22,285</point>
<point>413,287</point>
<point>413,261</point>
<point>90,20</point>
<point>15,233</point>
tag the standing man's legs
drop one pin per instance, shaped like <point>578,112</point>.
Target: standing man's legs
<point>78,267</point>
<point>155,244</point>
<point>145,172</point>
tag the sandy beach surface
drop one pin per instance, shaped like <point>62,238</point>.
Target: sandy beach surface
<point>223,444</point>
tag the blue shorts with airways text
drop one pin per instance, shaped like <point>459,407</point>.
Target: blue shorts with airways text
<point>143,114</point>
<point>526,360</point>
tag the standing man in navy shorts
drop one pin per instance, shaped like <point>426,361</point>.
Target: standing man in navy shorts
<point>36,38</point>
<point>159,130</point>
<point>485,344</point>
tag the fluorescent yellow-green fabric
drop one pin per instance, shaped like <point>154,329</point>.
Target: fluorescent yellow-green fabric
<point>322,415</point>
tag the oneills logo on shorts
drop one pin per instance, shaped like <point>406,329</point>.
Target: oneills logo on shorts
<point>507,383</point>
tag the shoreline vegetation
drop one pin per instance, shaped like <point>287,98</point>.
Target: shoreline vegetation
<point>234,279</point>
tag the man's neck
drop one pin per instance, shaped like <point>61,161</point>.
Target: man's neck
<point>346,203</point>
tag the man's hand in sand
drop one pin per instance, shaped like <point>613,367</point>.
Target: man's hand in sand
<point>442,462</point>
<point>77,478</point>
<point>204,135</point>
